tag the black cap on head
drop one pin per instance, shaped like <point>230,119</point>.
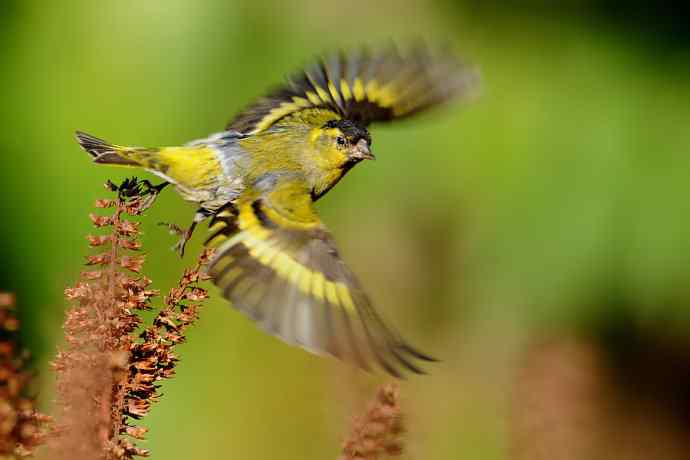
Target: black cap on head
<point>352,131</point>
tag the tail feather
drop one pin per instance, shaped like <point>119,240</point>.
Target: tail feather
<point>102,151</point>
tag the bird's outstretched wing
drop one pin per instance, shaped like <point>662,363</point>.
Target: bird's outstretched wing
<point>277,263</point>
<point>365,86</point>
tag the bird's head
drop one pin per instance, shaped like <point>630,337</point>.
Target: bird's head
<point>341,144</point>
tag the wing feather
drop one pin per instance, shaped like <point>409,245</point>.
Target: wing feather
<point>364,86</point>
<point>278,265</point>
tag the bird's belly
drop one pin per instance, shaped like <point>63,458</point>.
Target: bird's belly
<point>213,195</point>
<point>208,172</point>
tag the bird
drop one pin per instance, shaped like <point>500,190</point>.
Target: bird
<point>257,180</point>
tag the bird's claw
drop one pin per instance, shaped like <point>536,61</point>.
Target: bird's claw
<point>135,189</point>
<point>181,244</point>
<point>184,234</point>
<point>173,228</point>
<point>149,192</point>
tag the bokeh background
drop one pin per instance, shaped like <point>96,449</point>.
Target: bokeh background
<point>537,240</point>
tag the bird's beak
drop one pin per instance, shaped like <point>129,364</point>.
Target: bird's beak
<point>362,152</point>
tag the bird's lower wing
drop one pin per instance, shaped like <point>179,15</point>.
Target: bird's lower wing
<point>277,263</point>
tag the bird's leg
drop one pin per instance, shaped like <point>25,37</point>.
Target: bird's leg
<point>153,189</point>
<point>141,191</point>
<point>149,192</point>
<point>185,234</point>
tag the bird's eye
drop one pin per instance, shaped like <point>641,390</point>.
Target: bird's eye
<point>340,140</point>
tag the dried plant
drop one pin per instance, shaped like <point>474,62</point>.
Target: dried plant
<point>109,369</point>
<point>153,358</point>
<point>106,373</point>
<point>22,427</point>
<point>379,431</point>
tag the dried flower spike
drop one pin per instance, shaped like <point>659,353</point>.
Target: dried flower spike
<point>22,428</point>
<point>378,432</point>
<point>152,358</point>
<point>108,372</point>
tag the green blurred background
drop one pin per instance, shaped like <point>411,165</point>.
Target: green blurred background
<point>554,205</point>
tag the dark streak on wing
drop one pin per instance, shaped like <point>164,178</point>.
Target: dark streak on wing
<point>261,215</point>
<point>414,80</point>
<point>252,273</point>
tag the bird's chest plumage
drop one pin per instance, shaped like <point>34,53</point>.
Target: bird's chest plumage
<point>283,153</point>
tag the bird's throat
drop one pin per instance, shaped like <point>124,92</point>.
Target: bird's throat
<point>330,181</point>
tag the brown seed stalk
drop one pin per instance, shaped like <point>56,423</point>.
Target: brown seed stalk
<point>22,427</point>
<point>107,370</point>
<point>379,431</point>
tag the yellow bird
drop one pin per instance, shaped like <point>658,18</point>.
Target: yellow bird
<point>258,180</point>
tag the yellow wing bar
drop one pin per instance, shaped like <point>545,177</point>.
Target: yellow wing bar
<point>365,86</point>
<point>279,265</point>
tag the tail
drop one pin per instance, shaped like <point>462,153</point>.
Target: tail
<point>103,152</point>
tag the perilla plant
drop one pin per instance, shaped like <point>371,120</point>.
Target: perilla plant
<point>108,369</point>
<point>22,427</point>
